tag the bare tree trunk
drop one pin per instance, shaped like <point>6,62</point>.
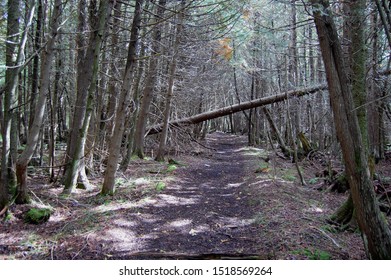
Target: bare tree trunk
<point>53,104</point>
<point>89,68</point>
<point>33,136</point>
<point>237,108</point>
<point>374,228</point>
<point>384,18</point>
<point>123,104</point>
<point>11,83</point>
<point>150,81</point>
<point>167,110</point>
<point>286,150</point>
<point>356,56</point>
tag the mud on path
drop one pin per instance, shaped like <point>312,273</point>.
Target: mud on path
<point>212,206</point>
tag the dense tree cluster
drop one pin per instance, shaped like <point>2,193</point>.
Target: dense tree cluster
<point>84,82</point>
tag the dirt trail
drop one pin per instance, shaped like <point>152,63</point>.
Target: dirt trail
<point>213,206</point>
<point>204,213</point>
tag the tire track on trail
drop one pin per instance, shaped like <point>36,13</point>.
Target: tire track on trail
<point>205,213</point>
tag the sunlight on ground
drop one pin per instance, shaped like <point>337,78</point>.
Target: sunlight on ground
<point>199,229</point>
<point>175,200</point>
<point>233,222</point>
<point>234,185</point>
<point>112,207</point>
<point>180,223</point>
<point>141,181</point>
<point>268,182</point>
<point>252,151</point>
<point>125,223</point>
<point>123,240</point>
<point>314,209</point>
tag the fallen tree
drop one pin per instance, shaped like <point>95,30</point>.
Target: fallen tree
<point>237,108</point>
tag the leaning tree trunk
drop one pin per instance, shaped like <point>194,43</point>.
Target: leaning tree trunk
<point>357,71</point>
<point>33,136</point>
<point>90,66</point>
<point>375,230</point>
<point>285,149</point>
<point>124,101</point>
<point>167,110</point>
<point>225,111</point>
<point>150,81</point>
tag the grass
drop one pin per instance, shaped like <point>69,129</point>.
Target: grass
<point>313,254</point>
<point>160,186</point>
<point>171,168</point>
<point>313,181</point>
<point>251,151</point>
<point>289,177</point>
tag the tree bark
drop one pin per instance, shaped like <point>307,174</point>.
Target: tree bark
<point>167,110</point>
<point>374,228</point>
<point>123,104</point>
<point>89,68</point>
<point>11,84</point>
<point>150,81</point>
<point>237,108</point>
<point>383,17</point>
<point>33,136</point>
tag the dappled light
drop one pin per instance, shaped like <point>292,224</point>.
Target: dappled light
<point>216,206</point>
<point>142,129</point>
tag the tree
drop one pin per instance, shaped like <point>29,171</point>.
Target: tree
<point>12,82</point>
<point>167,109</point>
<point>138,146</point>
<point>374,228</point>
<point>225,111</point>
<point>33,136</point>
<point>123,104</point>
<point>13,61</point>
<point>86,85</point>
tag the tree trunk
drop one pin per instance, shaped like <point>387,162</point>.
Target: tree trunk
<point>11,84</point>
<point>90,69</point>
<point>33,136</point>
<point>356,55</point>
<point>167,110</point>
<point>374,228</point>
<point>150,81</point>
<point>237,108</point>
<point>123,104</point>
<point>384,19</point>
<point>286,150</point>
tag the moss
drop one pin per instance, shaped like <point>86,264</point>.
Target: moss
<point>160,186</point>
<point>313,254</point>
<point>171,168</point>
<point>289,177</point>
<point>37,215</point>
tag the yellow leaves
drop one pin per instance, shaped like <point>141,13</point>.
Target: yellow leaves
<point>224,49</point>
<point>262,170</point>
<point>246,14</point>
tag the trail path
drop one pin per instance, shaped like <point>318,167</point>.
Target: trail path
<point>205,213</point>
<point>213,207</point>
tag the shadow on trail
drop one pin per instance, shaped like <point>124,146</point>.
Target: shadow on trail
<point>205,213</point>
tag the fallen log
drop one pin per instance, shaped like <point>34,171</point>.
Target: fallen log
<point>237,108</point>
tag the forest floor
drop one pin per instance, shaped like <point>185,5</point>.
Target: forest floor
<point>225,202</point>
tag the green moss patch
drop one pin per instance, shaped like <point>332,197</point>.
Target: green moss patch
<point>37,216</point>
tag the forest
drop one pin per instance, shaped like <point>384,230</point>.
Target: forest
<point>195,129</point>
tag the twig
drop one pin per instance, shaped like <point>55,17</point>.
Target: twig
<point>85,245</point>
<point>328,236</point>
<point>4,210</point>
